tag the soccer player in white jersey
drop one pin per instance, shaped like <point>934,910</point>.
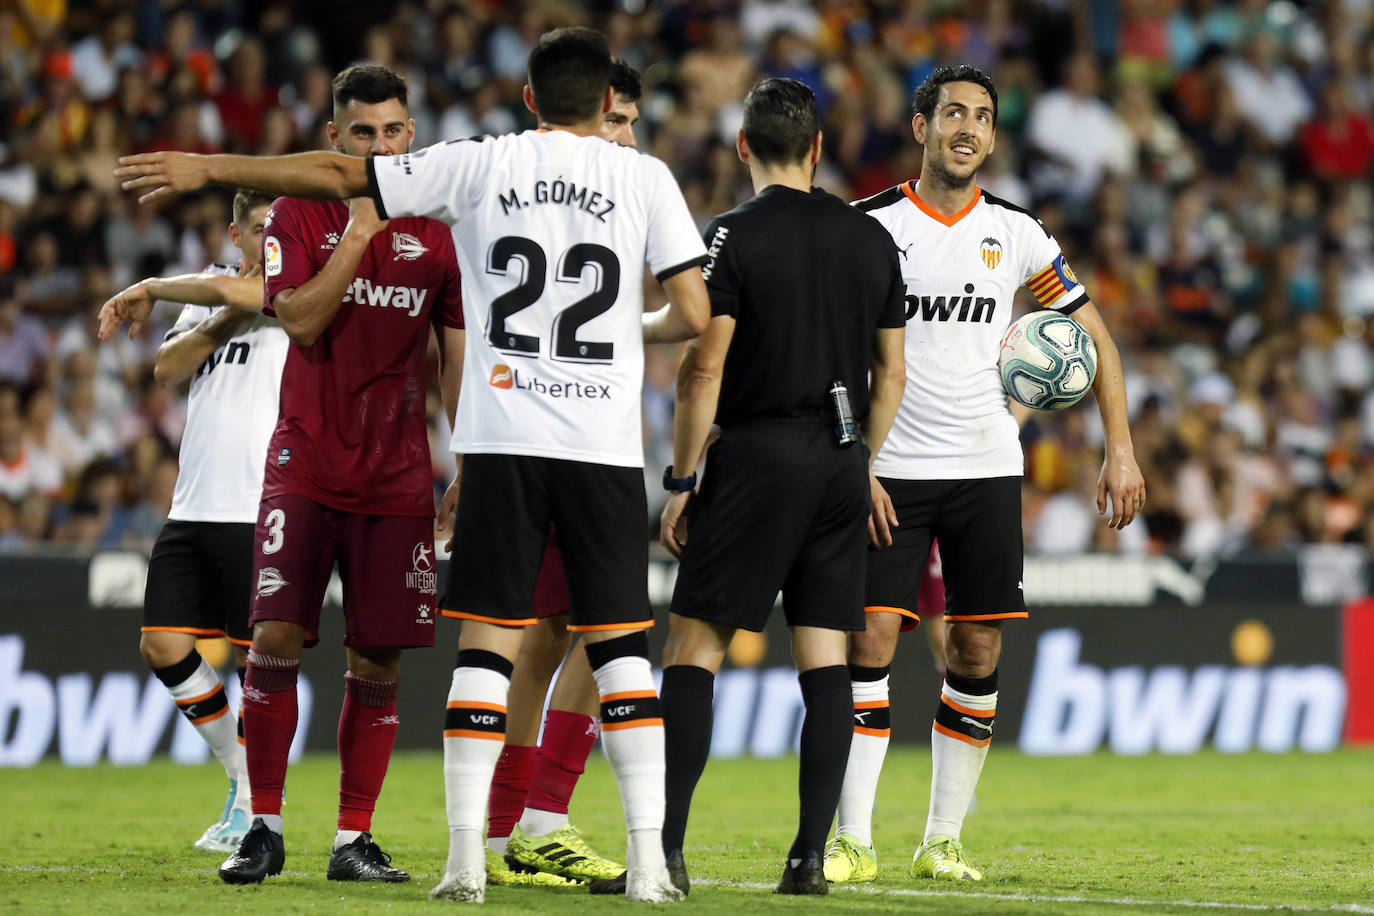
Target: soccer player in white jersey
<point>527,812</point>
<point>552,227</point>
<point>951,468</point>
<point>200,572</point>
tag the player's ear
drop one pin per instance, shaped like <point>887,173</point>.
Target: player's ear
<point>528,95</point>
<point>410,131</point>
<point>816,149</point>
<point>742,147</point>
<point>918,128</point>
<point>234,234</point>
<point>333,134</point>
<point>608,102</point>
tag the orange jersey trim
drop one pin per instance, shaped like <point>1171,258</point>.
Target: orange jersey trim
<point>1008,615</point>
<point>467,733</point>
<point>498,621</point>
<point>246,643</point>
<point>872,704</point>
<point>875,732</point>
<point>909,189</point>
<point>958,707</point>
<point>191,701</point>
<point>881,609</point>
<point>628,695</point>
<point>633,723</point>
<point>210,718</point>
<point>959,736</point>
<point>603,627</point>
<point>489,707</point>
<point>192,631</point>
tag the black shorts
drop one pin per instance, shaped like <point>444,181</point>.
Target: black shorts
<point>782,507</point>
<point>978,524</point>
<point>505,506</point>
<point>200,581</point>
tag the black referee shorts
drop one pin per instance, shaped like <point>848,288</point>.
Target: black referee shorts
<point>505,506</point>
<point>782,507</point>
<point>978,525</point>
<point>200,581</point>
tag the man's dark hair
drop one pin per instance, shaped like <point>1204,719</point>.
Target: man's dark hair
<point>370,84</point>
<point>569,70</point>
<point>246,201</point>
<point>780,121</point>
<point>625,80</point>
<point>928,93</point>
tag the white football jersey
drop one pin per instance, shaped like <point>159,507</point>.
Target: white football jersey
<point>553,231</point>
<point>231,412</point>
<point>961,274</point>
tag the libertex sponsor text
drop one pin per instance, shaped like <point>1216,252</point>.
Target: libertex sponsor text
<point>508,379</point>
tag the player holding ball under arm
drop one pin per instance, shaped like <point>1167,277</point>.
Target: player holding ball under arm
<point>951,468</point>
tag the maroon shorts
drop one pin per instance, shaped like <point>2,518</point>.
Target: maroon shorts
<point>551,586</point>
<point>386,563</point>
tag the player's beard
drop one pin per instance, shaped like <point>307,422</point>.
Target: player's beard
<point>941,176</point>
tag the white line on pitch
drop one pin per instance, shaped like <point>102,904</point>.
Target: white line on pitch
<point>1055,898</point>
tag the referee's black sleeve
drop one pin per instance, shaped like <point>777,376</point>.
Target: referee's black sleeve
<point>721,274</point>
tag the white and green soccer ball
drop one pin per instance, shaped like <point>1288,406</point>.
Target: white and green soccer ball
<point>1048,362</point>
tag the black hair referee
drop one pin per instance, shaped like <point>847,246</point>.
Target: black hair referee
<point>806,292</point>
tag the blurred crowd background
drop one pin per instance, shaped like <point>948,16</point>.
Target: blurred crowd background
<point>1205,165</point>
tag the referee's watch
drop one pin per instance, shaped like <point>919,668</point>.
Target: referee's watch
<point>678,484</point>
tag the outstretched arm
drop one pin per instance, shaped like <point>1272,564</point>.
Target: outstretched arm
<point>135,304</point>
<point>312,176</point>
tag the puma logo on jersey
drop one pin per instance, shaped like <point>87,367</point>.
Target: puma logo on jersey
<point>952,308</point>
<point>363,291</point>
<point>406,247</point>
<point>906,251</point>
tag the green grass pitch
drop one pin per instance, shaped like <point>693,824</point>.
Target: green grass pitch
<point>1102,834</point>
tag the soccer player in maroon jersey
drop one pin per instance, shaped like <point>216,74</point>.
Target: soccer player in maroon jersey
<point>347,476</point>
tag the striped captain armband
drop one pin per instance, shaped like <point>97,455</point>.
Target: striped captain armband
<point>1055,282</point>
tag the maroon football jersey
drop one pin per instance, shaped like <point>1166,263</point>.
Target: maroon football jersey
<point>351,431</point>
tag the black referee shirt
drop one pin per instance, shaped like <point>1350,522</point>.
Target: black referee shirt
<point>807,279</point>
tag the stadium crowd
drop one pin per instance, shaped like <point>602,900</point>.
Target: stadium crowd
<point>1205,165</point>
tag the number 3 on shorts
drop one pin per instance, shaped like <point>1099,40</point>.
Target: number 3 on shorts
<point>276,531</point>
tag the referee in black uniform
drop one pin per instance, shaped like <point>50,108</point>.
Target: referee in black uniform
<point>806,293</point>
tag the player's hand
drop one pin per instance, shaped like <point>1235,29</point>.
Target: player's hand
<point>164,174</point>
<point>673,523</point>
<point>445,520</point>
<point>133,306</point>
<point>883,518</point>
<point>1122,481</point>
<point>362,218</point>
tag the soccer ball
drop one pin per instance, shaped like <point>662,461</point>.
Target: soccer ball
<point>1048,362</point>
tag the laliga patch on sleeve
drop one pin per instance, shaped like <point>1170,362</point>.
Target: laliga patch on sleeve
<point>271,256</point>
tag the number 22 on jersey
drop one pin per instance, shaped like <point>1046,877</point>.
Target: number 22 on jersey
<point>566,345</point>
